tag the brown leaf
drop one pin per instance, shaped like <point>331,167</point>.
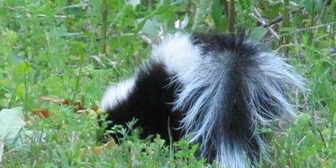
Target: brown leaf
<point>98,150</point>
<point>78,105</point>
<point>41,112</point>
<point>55,100</point>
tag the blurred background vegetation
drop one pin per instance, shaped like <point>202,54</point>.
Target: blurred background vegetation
<point>58,56</point>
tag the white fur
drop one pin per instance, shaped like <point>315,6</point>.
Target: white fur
<point>273,70</point>
<point>210,75</point>
<point>117,93</point>
<point>231,157</point>
<point>177,53</point>
<point>204,75</point>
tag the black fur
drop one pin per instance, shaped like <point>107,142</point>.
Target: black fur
<point>235,66</point>
<point>235,122</point>
<point>150,103</point>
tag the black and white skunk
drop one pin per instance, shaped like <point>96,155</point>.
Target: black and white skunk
<point>217,89</point>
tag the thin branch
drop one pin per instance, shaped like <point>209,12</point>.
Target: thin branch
<point>278,19</point>
<point>263,21</point>
<point>315,27</point>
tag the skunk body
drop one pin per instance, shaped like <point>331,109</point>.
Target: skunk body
<point>217,89</point>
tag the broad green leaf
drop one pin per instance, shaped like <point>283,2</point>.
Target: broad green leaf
<point>258,33</point>
<point>151,28</point>
<point>11,123</point>
<point>134,3</point>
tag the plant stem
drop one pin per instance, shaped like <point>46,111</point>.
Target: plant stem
<point>231,16</point>
<point>285,24</point>
<point>105,7</point>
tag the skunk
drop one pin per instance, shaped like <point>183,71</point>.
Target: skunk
<point>217,89</point>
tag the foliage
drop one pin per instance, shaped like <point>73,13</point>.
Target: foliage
<point>70,50</point>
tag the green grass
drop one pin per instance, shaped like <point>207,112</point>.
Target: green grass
<point>72,49</point>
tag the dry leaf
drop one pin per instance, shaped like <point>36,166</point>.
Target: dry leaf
<point>77,104</point>
<point>98,150</point>
<point>41,112</point>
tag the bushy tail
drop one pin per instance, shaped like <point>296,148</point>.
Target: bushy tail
<point>232,90</point>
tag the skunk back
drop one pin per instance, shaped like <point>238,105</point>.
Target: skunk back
<point>217,89</point>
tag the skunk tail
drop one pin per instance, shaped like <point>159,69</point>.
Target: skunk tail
<point>230,88</point>
<point>219,89</point>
